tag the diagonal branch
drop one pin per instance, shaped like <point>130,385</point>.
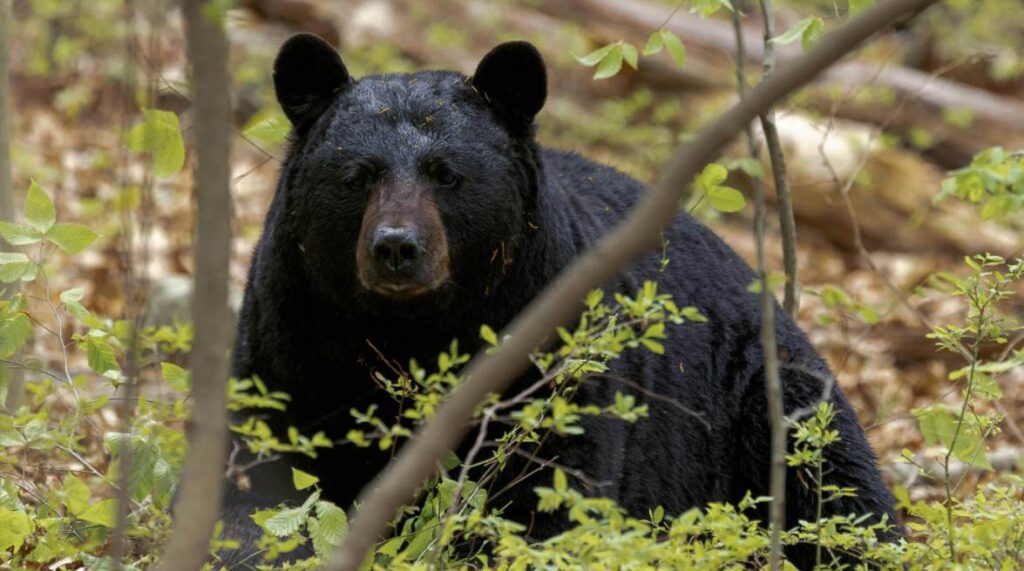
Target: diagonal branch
<point>491,373</point>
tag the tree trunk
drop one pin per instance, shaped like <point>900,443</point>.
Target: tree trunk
<point>14,376</point>
<point>198,505</point>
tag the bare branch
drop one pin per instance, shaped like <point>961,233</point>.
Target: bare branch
<point>201,486</point>
<point>491,373</point>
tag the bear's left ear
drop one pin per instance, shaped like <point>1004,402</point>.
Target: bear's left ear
<point>307,74</point>
<point>513,78</point>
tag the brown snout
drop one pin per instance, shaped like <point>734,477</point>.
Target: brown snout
<point>403,248</point>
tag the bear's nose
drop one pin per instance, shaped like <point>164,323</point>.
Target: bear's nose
<point>396,249</point>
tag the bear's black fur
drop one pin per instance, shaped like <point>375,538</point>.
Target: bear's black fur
<point>514,215</point>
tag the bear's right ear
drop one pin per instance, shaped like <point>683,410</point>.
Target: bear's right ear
<point>307,74</point>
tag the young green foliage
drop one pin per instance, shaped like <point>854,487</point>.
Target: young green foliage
<point>994,181</point>
<point>159,135</point>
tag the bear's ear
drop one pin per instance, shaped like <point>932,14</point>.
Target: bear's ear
<point>513,78</point>
<point>307,74</point>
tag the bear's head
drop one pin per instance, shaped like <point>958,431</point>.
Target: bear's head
<point>407,191</point>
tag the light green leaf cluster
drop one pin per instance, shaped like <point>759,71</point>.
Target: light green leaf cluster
<point>40,225</point>
<point>722,198</point>
<point>286,529</point>
<point>840,306</point>
<point>608,59</point>
<point>159,135</point>
<point>994,181</point>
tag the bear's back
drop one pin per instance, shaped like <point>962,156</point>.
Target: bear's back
<point>701,270</point>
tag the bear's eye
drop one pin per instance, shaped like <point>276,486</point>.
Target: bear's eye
<point>363,176</point>
<point>443,175</point>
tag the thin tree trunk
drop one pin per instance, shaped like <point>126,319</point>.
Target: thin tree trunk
<point>6,192</point>
<point>791,301</point>
<point>199,503</point>
<point>773,385</point>
<point>639,233</point>
<point>15,375</point>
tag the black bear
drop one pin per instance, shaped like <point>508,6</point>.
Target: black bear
<point>412,208</point>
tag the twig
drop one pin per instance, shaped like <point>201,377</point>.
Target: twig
<point>491,372</point>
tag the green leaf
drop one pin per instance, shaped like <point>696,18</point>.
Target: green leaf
<point>488,335</point>
<point>14,266</point>
<point>328,528</point>
<point>655,43</point>
<point>19,234</point>
<point>595,56</point>
<point>39,210</point>
<point>656,331</point>
<point>812,33</point>
<point>72,238</point>
<point>74,495</point>
<point>72,300</point>
<point>268,128</point>
<point>103,512</point>
<point>418,544</point>
<point>285,522</point>
<point>630,55</point>
<point>176,377</point>
<point>712,175</point>
<point>15,526</point>
<point>708,7</point>
<point>725,199</point>
<point>100,355</point>
<point>610,64</point>
<point>14,333</point>
<point>800,31</point>
<point>159,134</point>
<point>658,515</point>
<point>561,483</point>
<point>996,207</point>
<point>302,480</point>
<point>451,461</point>
<point>653,346</point>
<point>674,46</point>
